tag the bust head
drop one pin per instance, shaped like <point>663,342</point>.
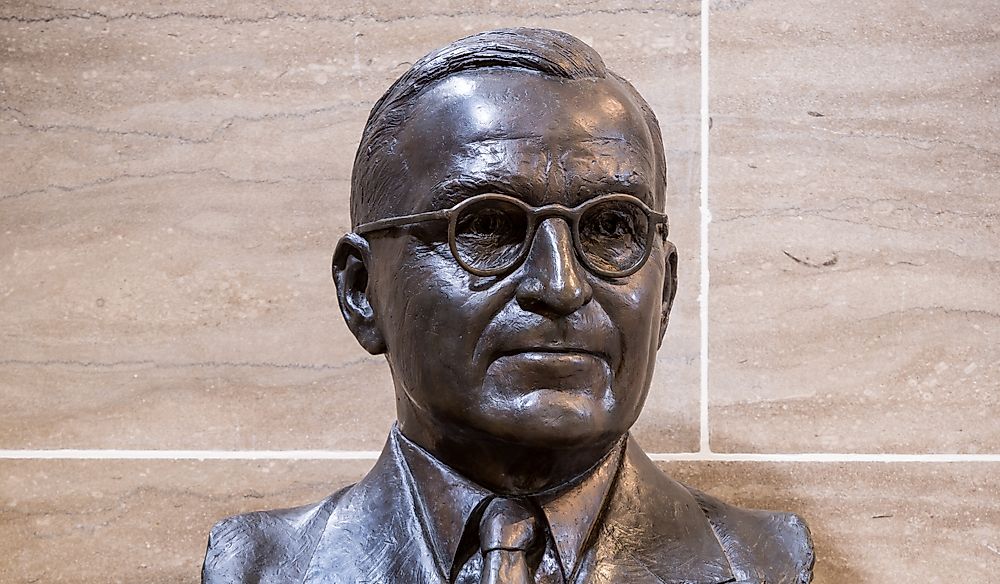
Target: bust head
<point>509,257</point>
<point>527,319</point>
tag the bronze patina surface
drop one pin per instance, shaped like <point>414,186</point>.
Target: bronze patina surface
<point>510,258</point>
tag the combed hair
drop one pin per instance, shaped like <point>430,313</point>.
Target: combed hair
<point>549,52</point>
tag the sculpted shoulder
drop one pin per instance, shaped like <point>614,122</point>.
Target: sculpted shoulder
<point>266,546</point>
<point>680,534</point>
<point>763,546</point>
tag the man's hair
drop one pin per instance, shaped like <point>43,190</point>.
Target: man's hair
<point>549,52</point>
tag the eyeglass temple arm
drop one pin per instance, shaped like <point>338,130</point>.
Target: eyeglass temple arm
<point>662,220</point>
<point>399,221</point>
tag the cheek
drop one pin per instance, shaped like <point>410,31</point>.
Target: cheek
<point>430,315</point>
<point>420,307</point>
<point>634,307</point>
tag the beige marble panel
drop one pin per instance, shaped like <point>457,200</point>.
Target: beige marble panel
<point>130,521</point>
<point>197,405</point>
<point>175,180</point>
<point>138,521</point>
<point>876,523</point>
<point>855,174</point>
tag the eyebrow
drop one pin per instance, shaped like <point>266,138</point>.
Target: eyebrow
<point>638,187</point>
<point>452,191</point>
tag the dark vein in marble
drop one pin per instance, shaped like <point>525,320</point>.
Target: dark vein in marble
<point>912,141</point>
<point>185,365</point>
<point>931,310</point>
<point>224,125</point>
<point>851,204</point>
<point>202,171</point>
<point>85,14</point>
<point>918,142</point>
<point>728,5</point>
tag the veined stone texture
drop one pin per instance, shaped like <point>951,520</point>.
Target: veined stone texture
<point>93,522</point>
<point>174,178</point>
<point>855,241</point>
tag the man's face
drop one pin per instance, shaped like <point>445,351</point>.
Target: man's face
<point>547,354</point>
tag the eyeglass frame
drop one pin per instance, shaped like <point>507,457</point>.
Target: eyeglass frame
<point>534,215</point>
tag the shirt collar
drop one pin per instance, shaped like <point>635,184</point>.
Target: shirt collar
<point>447,500</point>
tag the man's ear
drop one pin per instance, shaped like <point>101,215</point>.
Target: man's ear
<point>351,262</point>
<point>669,286</point>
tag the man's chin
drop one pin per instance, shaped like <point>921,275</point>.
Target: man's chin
<point>557,419</point>
<point>551,400</point>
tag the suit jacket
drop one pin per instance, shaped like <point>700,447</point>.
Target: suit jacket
<point>652,530</point>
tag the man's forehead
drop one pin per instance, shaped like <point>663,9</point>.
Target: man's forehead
<point>539,179</point>
<point>537,135</point>
<point>512,104</point>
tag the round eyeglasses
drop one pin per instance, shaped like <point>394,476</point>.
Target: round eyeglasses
<point>491,234</point>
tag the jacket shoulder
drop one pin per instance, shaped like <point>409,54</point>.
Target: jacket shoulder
<point>763,546</point>
<point>265,546</point>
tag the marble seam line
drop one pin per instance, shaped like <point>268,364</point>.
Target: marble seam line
<point>370,455</point>
<point>706,217</point>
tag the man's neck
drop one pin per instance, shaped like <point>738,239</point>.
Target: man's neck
<point>504,467</point>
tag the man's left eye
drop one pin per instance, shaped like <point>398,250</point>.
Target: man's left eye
<point>489,226</point>
<point>613,224</point>
<point>489,223</point>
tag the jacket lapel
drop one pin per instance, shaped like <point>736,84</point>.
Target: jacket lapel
<point>653,530</point>
<point>374,534</point>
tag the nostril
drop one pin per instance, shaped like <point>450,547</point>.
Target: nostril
<point>529,294</point>
<point>552,282</point>
<point>531,288</point>
<point>553,299</point>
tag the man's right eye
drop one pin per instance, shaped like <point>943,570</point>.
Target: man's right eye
<point>494,226</point>
<point>488,223</point>
<point>612,223</point>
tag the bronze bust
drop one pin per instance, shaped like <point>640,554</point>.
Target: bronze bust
<point>509,257</point>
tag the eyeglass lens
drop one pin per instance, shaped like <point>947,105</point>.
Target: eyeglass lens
<point>490,235</point>
<point>613,235</point>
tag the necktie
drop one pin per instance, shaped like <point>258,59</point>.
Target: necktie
<point>506,532</point>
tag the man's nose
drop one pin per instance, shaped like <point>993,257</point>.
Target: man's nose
<point>554,283</point>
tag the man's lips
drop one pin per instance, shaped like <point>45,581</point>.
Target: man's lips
<point>552,350</point>
<point>585,335</point>
<point>528,370</point>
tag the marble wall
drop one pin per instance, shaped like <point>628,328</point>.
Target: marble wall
<point>173,178</point>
